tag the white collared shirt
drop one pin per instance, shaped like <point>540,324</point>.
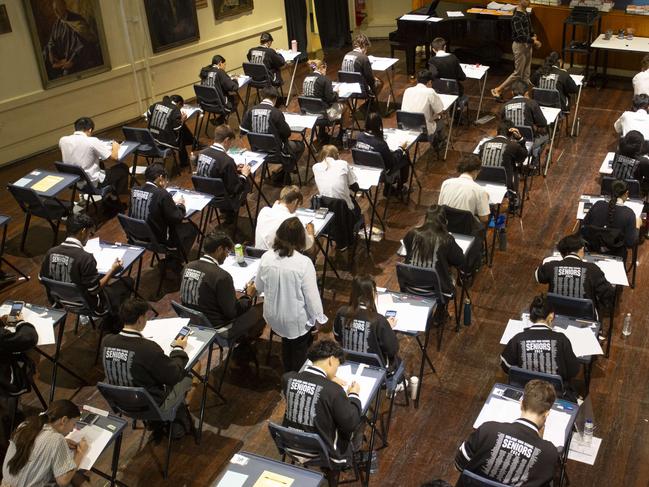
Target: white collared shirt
<point>333,179</point>
<point>268,221</point>
<point>463,193</point>
<point>641,83</point>
<point>422,99</point>
<point>86,152</point>
<point>638,120</point>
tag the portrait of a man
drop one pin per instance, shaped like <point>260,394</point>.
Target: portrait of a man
<point>172,23</point>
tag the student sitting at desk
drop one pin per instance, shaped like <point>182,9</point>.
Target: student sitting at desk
<point>292,304</point>
<point>264,118</point>
<point>214,162</point>
<point>641,80</point>
<point>638,119</point>
<point>16,368</point>
<point>572,276</point>
<point>550,76</point>
<point>215,75</point>
<point>523,111</point>
<point>318,85</point>
<point>39,453</point>
<point>421,98</point>
<point>396,162</point>
<point>431,246</point>
<point>132,360</point>
<point>164,214</point>
<point>70,262</point>
<point>167,125</point>
<point>505,150</point>
<point>356,61</point>
<point>86,151</point>
<point>358,326</point>
<point>445,64</point>
<point>319,402</point>
<point>207,288</point>
<point>266,55</point>
<point>271,217</point>
<point>630,162</point>
<point>524,458</point>
<point>539,348</point>
<point>619,222</point>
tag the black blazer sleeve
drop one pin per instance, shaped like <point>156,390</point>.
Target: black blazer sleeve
<point>173,214</point>
<point>460,75</point>
<point>368,74</point>
<point>346,412</point>
<point>168,370</point>
<point>233,183</point>
<point>227,83</point>
<point>509,355</point>
<point>571,361</point>
<point>454,254</point>
<point>276,59</point>
<point>279,122</point>
<point>569,85</point>
<point>537,115</point>
<point>543,274</point>
<point>407,243</point>
<point>338,326</point>
<point>24,338</point>
<point>602,289</point>
<point>226,295</point>
<point>387,338</point>
<point>328,94</point>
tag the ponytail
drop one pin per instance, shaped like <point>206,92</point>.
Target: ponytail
<point>26,434</point>
<point>315,64</point>
<point>618,189</point>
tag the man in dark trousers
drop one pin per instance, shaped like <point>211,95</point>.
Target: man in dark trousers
<point>214,162</point>
<point>264,118</point>
<point>446,64</point>
<point>514,453</point>
<point>269,57</point>
<point>166,216</point>
<point>356,61</point>
<point>505,150</point>
<point>134,361</point>
<point>70,262</point>
<point>317,401</point>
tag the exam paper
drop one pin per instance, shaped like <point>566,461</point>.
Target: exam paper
<point>454,13</point>
<point>584,453</point>
<point>307,217</point>
<point>300,122</point>
<point>164,332</point>
<point>47,183</point>
<point>97,439</point>
<point>240,275</point>
<point>409,317</point>
<point>232,479</point>
<point>366,383</point>
<point>105,257</point>
<point>44,326</point>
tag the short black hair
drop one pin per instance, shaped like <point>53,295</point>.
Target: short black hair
<point>131,310</point>
<point>640,101</point>
<point>324,349</point>
<point>78,222</point>
<point>470,163</point>
<point>84,124</point>
<point>217,239</point>
<point>177,99</point>
<point>519,87</point>
<point>424,76</point>
<point>265,37</point>
<point>504,127</point>
<point>154,171</point>
<point>218,59</point>
<point>270,92</point>
<point>539,308</point>
<point>631,144</point>
<point>570,243</point>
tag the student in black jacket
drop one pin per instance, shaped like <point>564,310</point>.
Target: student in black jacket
<point>539,348</point>
<point>214,162</point>
<point>266,55</point>
<point>573,277</point>
<point>445,64</point>
<point>264,118</point>
<point>318,402</point>
<point>70,262</point>
<point>318,85</point>
<point>550,76</point>
<point>514,453</point>
<point>505,150</point>
<point>630,162</point>
<point>356,61</point>
<point>522,110</point>
<point>214,75</point>
<point>132,360</point>
<point>207,288</point>
<point>164,214</point>
<point>395,161</point>
<point>167,125</point>
<point>359,327</point>
<point>16,368</point>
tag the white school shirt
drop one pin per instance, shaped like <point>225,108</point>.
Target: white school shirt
<point>422,99</point>
<point>85,152</point>
<point>268,221</point>
<point>641,83</point>
<point>333,179</point>
<point>463,193</point>
<point>638,120</point>
<point>292,303</point>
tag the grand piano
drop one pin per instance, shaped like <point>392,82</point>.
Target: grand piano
<point>484,37</point>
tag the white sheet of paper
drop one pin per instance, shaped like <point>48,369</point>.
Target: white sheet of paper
<point>299,122</point>
<point>415,17</point>
<point>496,192</point>
<point>463,241</point>
<point>366,177</point>
<point>288,55</point>
<point>583,453</point>
<point>240,275</point>
<point>309,217</point>
<point>395,138</point>
<point>454,13</point>
<point>577,78</point>
<point>253,159</point>
<point>97,439</point>
<point>614,271</point>
<point>366,383</point>
<point>474,72</point>
<point>345,90</point>
<point>44,326</point>
<point>164,331</point>
<point>447,100</point>
<point>122,150</point>
<point>232,479</point>
<point>382,63</point>
<point>22,182</point>
<point>550,114</point>
<point>607,164</point>
<point>193,201</point>
<point>242,79</point>
<point>105,257</point>
<point>434,19</point>
<point>409,317</point>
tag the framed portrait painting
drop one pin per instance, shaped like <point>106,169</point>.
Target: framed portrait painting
<point>68,38</point>
<point>172,23</point>
<point>227,8</point>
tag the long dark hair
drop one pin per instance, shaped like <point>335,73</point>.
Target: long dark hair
<point>430,235</point>
<point>363,288</point>
<point>27,432</point>
<point>618,189</point>
<point>549,62</point>
<point>374,125</point>
<point>290,236</point>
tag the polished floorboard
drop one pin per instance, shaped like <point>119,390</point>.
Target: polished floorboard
<point>422,441</point>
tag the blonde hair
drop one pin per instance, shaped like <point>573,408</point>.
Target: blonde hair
<point>316,64</point>
<point>328,151</point>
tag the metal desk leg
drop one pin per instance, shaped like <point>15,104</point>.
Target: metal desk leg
<point>375,420</point>
<point>484,84</point>
<point>205,379</point>
<point>55,365</point>
<point>117,446</point>
<point>549,158</point>
<point>424,359</point>
<point>309,146</point>
<point>5,261</point>
<point>450,129</point>
<point>493,238</point>
<point>290,86</point>
<point>609,337</point>
<point>391,95</point>
<point>574,120</point>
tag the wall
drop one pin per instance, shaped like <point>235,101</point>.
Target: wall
<point>33,119</point>
<point>381,16</point>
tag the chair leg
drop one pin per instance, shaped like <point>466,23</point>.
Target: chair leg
<point>225,370</point>
<point>28,217</point>
<point>101,336</point>
<point>270,346</point>
<point>55,229</point>
<point>245,105</point>
<point>163,269</point>
<point>165,474</point>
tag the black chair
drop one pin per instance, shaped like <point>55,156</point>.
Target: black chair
<point>470,479</point>
<point>577,308</point>
<point>271,145</point>
<point>463,222</point>
<point>259,78</point>
<point>493,174</point>
<point>315,106</point>
<point>353,99</point>
<point>147,148</point>
<point>84,185</point>
<point>138,232</point>
<point>254,252</point>
<point>137,404</point>
<point>632,184</point>
<point>449,86</point>
<point>222,200</point>
<point>306,449</point>
<point>551,98</point>
<point>374,159</point>
<point>50,209</point>
<point>423,281</point>
<point>414,121</point>
<point>213,103</point>
<point>519,377</point>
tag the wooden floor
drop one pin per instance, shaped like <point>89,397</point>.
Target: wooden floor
<point>424,440</point>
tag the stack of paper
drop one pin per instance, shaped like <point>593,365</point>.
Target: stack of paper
<point>240,275</point>
<point>105,256</point>
<point>409,317</point>
<point>165,331</point>
<point>414,17</point>
<point>97,439</point>
<point>366,383</point>
<point>308,216</point>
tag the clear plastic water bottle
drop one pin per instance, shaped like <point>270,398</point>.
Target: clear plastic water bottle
<point>587,435</point>
<point>345,139</point>
<point>626,328</point>
<point>467,312</point>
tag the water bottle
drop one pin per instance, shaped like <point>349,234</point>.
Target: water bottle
<point>294,45</point>
<point>502,239</point>
<point>467,312</point>
<point>238,254</point>
<point>345,140</point>
<point>374,463</point>
<point>626,328</point>
<point>587,435</point>
<point>414,385</point>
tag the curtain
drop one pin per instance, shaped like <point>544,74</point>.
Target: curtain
<point>296,25</point>
<point>333,23</point>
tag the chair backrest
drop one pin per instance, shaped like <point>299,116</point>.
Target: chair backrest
<point>446,86</point>
<point>470,479</point>
<point>266,143</point>
<point>311,105</point>
<point>210,98</point>
<point>353,77</point>
<point>140,135</point>
<point>519,377</point>
<point>68,295</point>
<point>257,72</point>
<point>372,359</point>
<point>27,199</point>
<point>88,186</point>
<point>572,307</point>
<point>138,232</point>
<point>624,167</point>
<point>195,317</point>
<point>493,174</point>
<point>526,132</point>
<point>134,402</point>
<point>368,158</point>
<point>211,186</point>
<point>307,449</point>
<point>411,121</point>
<point>254,252</point>
<point>422,281</point>
<point>547,98</point>
<point>459,221</point>
<point>607,186</point>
